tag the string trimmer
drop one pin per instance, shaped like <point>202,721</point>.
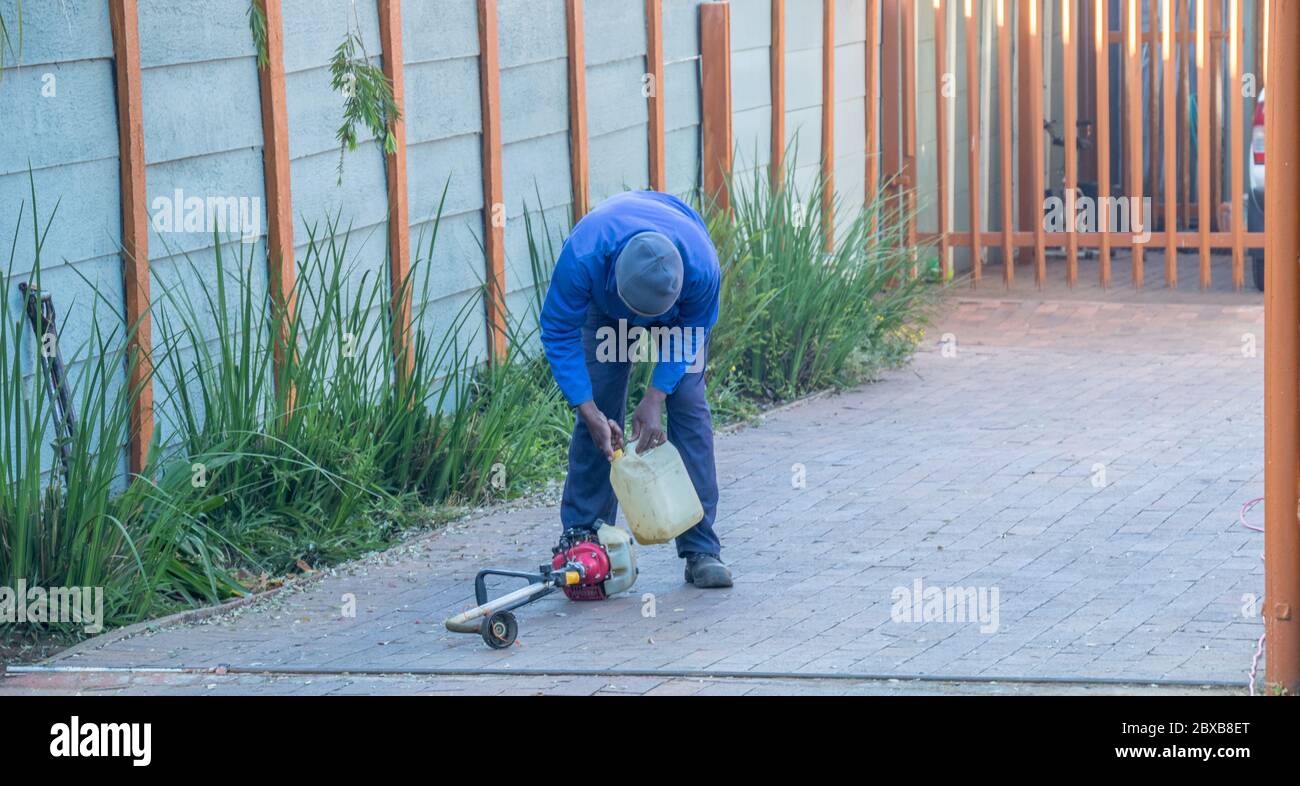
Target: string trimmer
<point>585,565</point>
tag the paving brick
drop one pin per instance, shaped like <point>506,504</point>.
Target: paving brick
<point>969,471</point>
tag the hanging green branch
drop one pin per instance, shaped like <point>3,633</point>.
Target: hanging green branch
<point>367,97</point>
<point>257,25</point>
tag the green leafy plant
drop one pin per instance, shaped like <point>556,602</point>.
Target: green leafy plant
<point>367,97</point>
<point>83,524</point>
<point>257,26</point>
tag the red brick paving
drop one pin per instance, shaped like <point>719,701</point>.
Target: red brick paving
<point>975,470</point>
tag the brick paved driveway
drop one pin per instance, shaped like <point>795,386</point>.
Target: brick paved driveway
<point>1084,461</point>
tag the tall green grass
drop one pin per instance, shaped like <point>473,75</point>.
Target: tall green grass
<point>246,481</point>
<point>83,524</point>
<point>319,475</point>
<point>797,316</point>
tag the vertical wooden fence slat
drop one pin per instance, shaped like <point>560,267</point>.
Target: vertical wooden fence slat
<point>1026,34</point>
<point>1070,101</point>
<point>1153,94</point>
<point>1281,349</point>
<point>941,132</point>
<point>399,223</point>
<point>1236,144</point>
<point>1183,52</point>
<point>1034,54</point>
<point>577,109</point>
<point>909,181</point>
<point>1101,25</point>
<point>715,97</point>
<point>828,124</point>
<point>973,137</point>
<point>494,214</point>
<point>1005,133</point>
<point>1203,137</point>
<point>776,53</point>
<point>1262,21</point>
<point>1217,120</point>
<point>281,272</point>
<point>1169,133</point>
<point>654,52</point>
<point>891,106</point>
<point>872,174</point>
<point>1087,90</point>
<point>124,21</point>
<point>1133,120</point>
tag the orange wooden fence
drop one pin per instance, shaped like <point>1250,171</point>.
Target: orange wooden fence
<point>1203,40</point>
<point>1176,173</point>
<point>1186,215</point>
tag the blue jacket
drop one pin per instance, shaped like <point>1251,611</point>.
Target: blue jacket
<point>584,279</point>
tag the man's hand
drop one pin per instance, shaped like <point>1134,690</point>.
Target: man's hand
<point>605,433</point>
<point>646,420</point>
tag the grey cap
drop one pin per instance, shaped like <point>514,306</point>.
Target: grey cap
<point>648,273</point>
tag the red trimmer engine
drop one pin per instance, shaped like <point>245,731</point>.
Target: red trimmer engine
<point>582,554</point>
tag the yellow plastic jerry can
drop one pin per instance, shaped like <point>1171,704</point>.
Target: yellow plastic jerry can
<point>655,492</point>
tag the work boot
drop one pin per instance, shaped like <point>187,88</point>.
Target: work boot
<point>707,571</point>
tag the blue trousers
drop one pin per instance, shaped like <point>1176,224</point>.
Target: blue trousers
<point>588,495</point>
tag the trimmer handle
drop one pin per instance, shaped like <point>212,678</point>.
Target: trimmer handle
<point>480,582</point>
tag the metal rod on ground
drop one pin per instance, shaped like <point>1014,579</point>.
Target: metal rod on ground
<point>693,674</point>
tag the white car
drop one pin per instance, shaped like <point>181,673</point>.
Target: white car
<point>1255,203</point>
